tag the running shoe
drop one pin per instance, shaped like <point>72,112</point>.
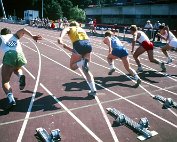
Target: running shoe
<point>92,93</point>
<point>140,69</point>
<point>138,81</point>
<point>85,67</point>
<point>111,71</point>
<point>22,82</point>
<point>162,65</point>
<point>169,61</point>
<point>11,101</point>
<point>137,78</point>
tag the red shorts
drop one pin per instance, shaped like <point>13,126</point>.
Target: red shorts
<point>147,45</point>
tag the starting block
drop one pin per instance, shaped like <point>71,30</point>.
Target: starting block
<point>167,102</point>
<point>141,127</point>
<point>43,136</point>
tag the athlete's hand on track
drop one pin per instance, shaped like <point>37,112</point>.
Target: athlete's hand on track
<point>37,37</point>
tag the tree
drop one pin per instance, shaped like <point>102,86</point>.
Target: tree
<point>52,9</point>
<point>65,6</point>
<point>77,14</point>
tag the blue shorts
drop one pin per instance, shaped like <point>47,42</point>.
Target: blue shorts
<point>120,52</point>
<point>82,47</point>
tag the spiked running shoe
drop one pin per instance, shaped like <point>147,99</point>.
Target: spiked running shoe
<point>22,82</point>
<point>162,65</point>
<point>111,71</point>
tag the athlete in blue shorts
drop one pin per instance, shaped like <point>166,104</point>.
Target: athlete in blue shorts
<point>80,52</point>
<point>117,50</point>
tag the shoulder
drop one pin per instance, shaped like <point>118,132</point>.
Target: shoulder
<point>16,36</point>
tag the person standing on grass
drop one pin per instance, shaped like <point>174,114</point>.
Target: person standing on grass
<point>81,52</point>
<point>167,35</point>
<point>145,45</point>
<point>117,50</point>
<point>13,60</point>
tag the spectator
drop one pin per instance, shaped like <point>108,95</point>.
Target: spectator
<point>53,25</point>
<point>156,28</point>
<point>91,27</point>
<point>148,25</point>
<point>94,25</point>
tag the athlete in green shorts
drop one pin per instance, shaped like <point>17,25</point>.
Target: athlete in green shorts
<point>13,60</point>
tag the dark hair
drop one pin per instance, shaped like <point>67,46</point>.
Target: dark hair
<point>108,33</point>
<point>161,27</point>
<point>5,31</point>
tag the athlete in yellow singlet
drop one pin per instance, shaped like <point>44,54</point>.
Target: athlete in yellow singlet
<point>80,52</point>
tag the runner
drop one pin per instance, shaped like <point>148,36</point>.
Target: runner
<point>117,50</point>
<point>145,45</point>
<point>13,60</point>
<point>80,52</point>
<point>166,34</point>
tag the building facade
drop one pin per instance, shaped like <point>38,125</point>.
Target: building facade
<point>135,14</point>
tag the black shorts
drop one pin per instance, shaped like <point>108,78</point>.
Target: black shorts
<point>82,47</point>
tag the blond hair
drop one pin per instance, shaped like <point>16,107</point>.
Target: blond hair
<point>133,28</point>
<point>108,33</point>
<point>74,23</point>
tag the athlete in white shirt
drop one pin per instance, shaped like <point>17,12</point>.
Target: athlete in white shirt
<point>13,60</point>
<point>167,35</point>
<point>145,45</point>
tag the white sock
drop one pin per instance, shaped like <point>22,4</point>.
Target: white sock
<point>92,86</point>
<point>136,77</point>
<point>80,63</point>
<point>169,58</point>
<point>111,66</point>
<point>10,97</point>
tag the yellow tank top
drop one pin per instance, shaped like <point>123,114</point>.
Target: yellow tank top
<point>77,33</point>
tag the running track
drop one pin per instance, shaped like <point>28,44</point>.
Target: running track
<point>56,97</point>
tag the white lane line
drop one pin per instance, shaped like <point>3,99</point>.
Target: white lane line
<point>72,115</point>
<point>135,82</point>
<point>84,126</point>
<point>20,136</point>
<point>139,106</point>
<point>168,122</point>
<point>71,109</point>
<point>164,89</point>
<point>29,73</point>
<point>107,120</point>
<point>97,99</point>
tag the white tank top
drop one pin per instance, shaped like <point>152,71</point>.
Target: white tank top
<point>143,37</point>
<point>10,42</point>
<point>171,36</point>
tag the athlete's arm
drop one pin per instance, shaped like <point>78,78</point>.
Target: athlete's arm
<point>134,41</point>
<point>23,31</point>
<point>168,31</point>
<point>67,47</point>
<point>63,33</point>
<point>107,41</point>
<point>162,37</point>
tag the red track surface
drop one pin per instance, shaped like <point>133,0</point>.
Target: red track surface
<point>61,95</point>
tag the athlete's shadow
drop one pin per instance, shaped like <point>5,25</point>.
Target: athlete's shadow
<point>106,82</point>
<point>145,74</point>
<point>111,81</point>
<point>46,103</point>
<point>73,98</point>
<point>76,86</point>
